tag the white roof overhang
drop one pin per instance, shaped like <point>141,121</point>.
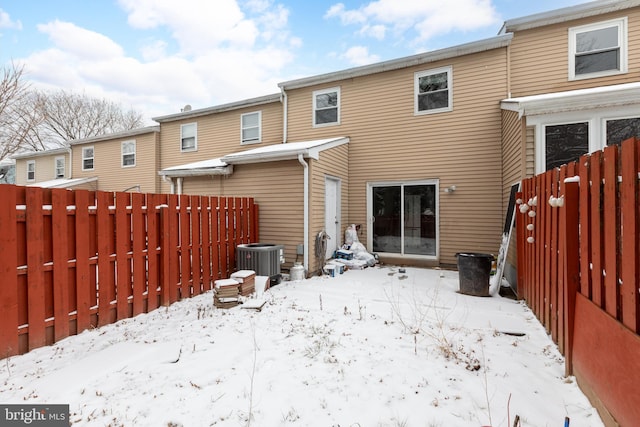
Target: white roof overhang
<point>286,151</point>
<point>575,100</point>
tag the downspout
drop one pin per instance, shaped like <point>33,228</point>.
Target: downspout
<point>179,182</point>
<point>285,121</point>
<point>305,166</point>
<point>69,174</point>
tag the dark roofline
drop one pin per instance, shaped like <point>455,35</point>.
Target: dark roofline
<point>408,61</point>
<point>266,99</point>
<point>110,136</point>
<point>566,14</point>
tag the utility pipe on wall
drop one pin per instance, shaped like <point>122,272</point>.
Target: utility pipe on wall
<point>305,166</point>
<point>285,122</point>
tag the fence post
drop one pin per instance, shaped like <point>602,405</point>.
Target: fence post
<point>8,264</point>
<point>569,227</point>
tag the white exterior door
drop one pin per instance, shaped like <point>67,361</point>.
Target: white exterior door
<point>332,215</point>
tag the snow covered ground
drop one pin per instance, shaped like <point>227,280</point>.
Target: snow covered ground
<point>371,347</point>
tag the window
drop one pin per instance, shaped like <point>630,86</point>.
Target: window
<point>87,158</point>
<point>565,143</point>
<point>128,153</point>
<point>619,130</point>
<point>188,140</point>
<point>433,91</point>
<point>59,167</point>
<point>326,107</point>
<point>598,50</point>
<point>31,170</point>
<point>251,132</point>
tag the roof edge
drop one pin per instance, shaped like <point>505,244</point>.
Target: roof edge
<point>266,99</point>
<point>567,14</point>
<point>495,42</point>
<point>122,134</point>
<point>42,153</point>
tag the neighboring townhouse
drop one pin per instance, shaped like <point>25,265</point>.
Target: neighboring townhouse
<point>574,87</point>
<point>49,169</point>
<point>421,152</point>
<point>122,161</point>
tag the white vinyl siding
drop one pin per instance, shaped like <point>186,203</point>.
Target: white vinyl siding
<point>87,158</point>
<point>433,91</point>
<point>598,50</point>
<point>251,128</point>
<point>189,137</point>
<point>128,153</point>
<point>326,107</point>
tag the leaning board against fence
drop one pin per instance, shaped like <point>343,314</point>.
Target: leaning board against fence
<point>73,260</point>
<point>578,239</point>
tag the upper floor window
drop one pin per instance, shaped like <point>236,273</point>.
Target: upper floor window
<point>31,170</point>
<point>326,107</point>
<point>251,127</point>
<point>128,153</point>
<point>188,137</point>
<point>87,158</point>
<point>433,91</point>
<point>59,167</point>
<point>598,50</point>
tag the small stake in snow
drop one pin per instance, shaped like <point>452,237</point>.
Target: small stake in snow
<point>566,421</point>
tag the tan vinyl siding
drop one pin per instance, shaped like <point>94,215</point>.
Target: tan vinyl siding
<point>277,189</point>
<point>333,163</point>
<point>389,143</point>
<point>107,163</point>
<point>539,57</point>
<point>218,134</point>
<point>45,168</point>
<point>530,151</point>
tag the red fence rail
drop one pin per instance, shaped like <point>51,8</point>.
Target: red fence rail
<point>72,260</point>
<point>578,240</point>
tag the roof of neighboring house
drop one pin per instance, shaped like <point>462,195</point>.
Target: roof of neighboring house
<point>408,61</point>
<point>573,100</point>
<point>115,135</point>
<point>286,151</point>
<point>567,14</point>
<point>64,183</point>
<point>203,167</point>
<point>269,153</point>
<point>266,99</point>
<point>30,154</point>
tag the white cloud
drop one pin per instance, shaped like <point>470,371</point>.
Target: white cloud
<point>424,19</point>
<point>359,55</point>
<point>6,22</point>
<point>80,42</point>
<point>375,31</point>
<point>215,54</point>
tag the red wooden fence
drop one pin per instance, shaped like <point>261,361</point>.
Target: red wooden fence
<point>72,260</point>
<point>578,240</point>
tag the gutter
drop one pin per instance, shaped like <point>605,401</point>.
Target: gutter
<point>305,166</point>
<point>168,174</point>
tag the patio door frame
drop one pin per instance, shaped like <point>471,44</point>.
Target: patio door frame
<point>402,184</point>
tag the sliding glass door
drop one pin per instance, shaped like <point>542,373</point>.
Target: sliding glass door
<point>404,218</point>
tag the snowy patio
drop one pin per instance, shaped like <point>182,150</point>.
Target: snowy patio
<point>372,347</point>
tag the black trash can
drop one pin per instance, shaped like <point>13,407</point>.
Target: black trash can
<point>474,271</point>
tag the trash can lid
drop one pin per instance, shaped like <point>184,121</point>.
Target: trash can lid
<point>474,255</point>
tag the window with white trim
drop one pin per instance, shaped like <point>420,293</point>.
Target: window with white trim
<point>59,167</point>
<point>565,143</point>
<point>619,130</point>
<point>189,137</point>
<point>87,158</point>
<point>128,153</point>
<point>598,50</point>
<point>251,128</point>
<point>31,170</point>
<point>326,107</point>
<point>433,91</point>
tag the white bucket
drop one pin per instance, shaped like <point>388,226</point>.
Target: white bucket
<point>296,272</point>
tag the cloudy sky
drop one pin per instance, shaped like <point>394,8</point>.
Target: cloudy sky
<point>157,55</point>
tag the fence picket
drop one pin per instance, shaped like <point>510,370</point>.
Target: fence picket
<point>138,254</point>
<point>196,245</point>
<point>630,251</point>
<point>59,225</point>
<point>35,273</point>
<point>596,229</point>
<point>585,225</point>
<point>8,271</point>
<point>83,284</point>
<point>153,262</point>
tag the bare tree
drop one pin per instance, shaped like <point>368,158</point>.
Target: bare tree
<point>16,119</point>
<point>33,120</point>
<point>66,116</point>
